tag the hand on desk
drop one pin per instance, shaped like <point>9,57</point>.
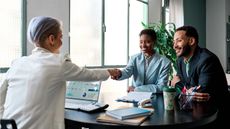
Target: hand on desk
<point>197,96</point>
<point>130,88</point>
<point>201,96</point>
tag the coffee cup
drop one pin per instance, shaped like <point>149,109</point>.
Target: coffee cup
<point>169,94</point>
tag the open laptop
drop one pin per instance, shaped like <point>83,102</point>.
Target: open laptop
<point>79,93</point>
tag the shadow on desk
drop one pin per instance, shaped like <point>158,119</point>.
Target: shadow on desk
<point>202,115</point>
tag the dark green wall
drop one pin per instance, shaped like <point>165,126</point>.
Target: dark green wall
<point>195,15</point>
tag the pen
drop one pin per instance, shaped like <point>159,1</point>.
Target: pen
<point>195,89</point>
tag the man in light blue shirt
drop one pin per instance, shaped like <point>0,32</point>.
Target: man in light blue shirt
<point>149,69</point>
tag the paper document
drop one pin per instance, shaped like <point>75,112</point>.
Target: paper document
<point>128,113</point>
<point>135,96</point>
<point>135,121</point>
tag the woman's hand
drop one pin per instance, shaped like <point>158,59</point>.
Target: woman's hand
<point>130,88</point>
<point>115,73</point>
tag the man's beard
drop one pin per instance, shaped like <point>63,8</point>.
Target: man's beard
<point>186,51</point>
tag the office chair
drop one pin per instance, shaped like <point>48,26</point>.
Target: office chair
<point>8,124</point>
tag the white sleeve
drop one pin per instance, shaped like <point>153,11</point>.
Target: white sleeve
<point>73,72</point>
<point>3,89</point>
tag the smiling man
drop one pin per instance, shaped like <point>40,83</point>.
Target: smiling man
<point>199,67</point>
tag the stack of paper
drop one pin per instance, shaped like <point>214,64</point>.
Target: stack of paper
<point>123,117</point>
<point>135,96</point>
<point>107,119</point>
<point>127,113</point>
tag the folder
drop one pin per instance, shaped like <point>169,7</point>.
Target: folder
<point>134,121</point>
<point>135,97</point>
<point>127,113</point>
<point>131,121</point>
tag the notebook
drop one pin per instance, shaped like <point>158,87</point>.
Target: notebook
<point>133,121</point>
<point>80,93</point>
<point>127,113</point>
<point>135,97</point>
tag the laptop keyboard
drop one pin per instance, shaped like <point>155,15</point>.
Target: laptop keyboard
<point>86,107</point>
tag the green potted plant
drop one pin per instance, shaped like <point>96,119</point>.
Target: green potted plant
<point>164,43</point>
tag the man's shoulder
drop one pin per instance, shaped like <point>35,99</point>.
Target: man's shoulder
<point>203,54</point>
<point>207,54</point>
<point>205,51</point>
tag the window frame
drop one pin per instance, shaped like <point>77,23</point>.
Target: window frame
<point>103,29</point>
<point>23,33</point>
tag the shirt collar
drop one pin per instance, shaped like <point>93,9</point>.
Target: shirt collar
<point>187,61</point>
<point>39,49</point>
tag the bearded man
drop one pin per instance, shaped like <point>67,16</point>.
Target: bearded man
<point>199,67</point>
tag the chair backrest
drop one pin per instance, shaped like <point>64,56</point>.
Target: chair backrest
<point>8,124</point>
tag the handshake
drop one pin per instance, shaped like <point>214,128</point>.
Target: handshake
<point>115,73</point>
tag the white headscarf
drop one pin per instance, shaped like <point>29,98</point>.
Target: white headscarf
<point>39,25</point>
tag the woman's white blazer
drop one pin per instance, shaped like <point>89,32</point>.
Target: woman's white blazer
<point>33,90</point>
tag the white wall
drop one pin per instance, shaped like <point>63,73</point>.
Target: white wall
<point>54,8</point>
<point>216,28</point>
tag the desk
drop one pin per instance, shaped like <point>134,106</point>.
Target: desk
<point>202,114</point>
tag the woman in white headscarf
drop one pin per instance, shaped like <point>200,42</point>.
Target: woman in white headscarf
<point>33,89</point>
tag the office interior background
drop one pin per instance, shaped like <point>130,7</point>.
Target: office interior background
<point>105,33</point>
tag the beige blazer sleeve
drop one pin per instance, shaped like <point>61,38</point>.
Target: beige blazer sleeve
<point>73,72</point>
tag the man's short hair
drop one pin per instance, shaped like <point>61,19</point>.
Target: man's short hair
<point>190,31</point>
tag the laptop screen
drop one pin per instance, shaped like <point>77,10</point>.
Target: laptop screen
<point>83,90</point>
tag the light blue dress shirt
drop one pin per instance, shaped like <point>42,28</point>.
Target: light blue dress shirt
<point>153,78</point>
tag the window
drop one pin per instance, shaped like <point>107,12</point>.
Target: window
<point>11,24</point>
<point>85,32</point>
<point>138,13</point>
<point>104,33</point>
<point>165,11</point>
<point>115,41</point>
<point>100,32</point>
